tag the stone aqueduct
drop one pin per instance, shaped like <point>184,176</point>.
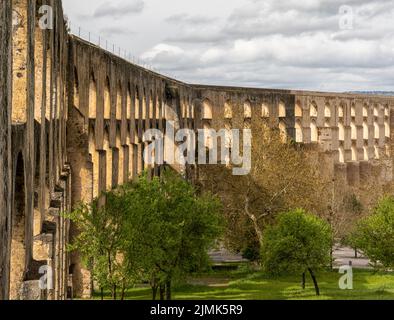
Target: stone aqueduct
<point>72,117</point>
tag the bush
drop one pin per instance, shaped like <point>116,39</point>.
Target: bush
<point>298,243</point>
<point>374,235</point>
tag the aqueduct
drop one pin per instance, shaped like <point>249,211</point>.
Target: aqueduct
<point>72,118</point>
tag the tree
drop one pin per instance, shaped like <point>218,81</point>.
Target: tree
<point>298,243</point>
<point>169,228</point>
<point>282,177</point>
<point>374,235</point>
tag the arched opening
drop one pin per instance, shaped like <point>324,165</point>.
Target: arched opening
<point>228,111</point>
<point>76,89</point>
<point>92,97</point>
<point>265,111</point>
<point>327,111</point>
<point>18,239</point>
<point>353,111</point>
<point>128,104</point>
<point>108,153</point>
<point>119,102</point>
<point>283,131</point>
<point>365,111</point>
<point>119,163</point>
<point>247,110</point>
<point>376,111</point>
<point>298,132</point>
<point>94,154</point>
<point>387,129</point>
<point>151,107</point>
<point>353,130</point>
<point>377,152</point>
<point>366,153</point>
<point>137,103</point>
<point>365,130</point>
<point>341,131</point>
<point>282,110</point>
<point>298,110</point>
<point>341,155</point>
<point>341,112</point>
<point>314,132</point>
<point>377,130</point>
<point>387,111</point>
<point>144,106</point>
<point>313,110</point>
<point>107,100</point>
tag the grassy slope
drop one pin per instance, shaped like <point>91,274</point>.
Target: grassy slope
<point>238,285</point>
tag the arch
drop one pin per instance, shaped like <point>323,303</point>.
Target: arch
<point>314,132</point>
<point>387,129</point>
<point>144,106</point>
<point>341,111</point>
<point>108,154</point>
<point>208,143</point>
<point>365,130</point>
<point>298,110</point>
<point>341,130</point>
<point>107,100</point>
<point>365,111</point>
<point>18,254</point>
<point>206,112</point>
<point>376,110</point>
<point>387,111</point>
<point>128,103</point>
<point>92,97</point>
<point>354,153</point>
<point>228,110</point>
<point>377,152</point>
<point>120,161</point>
<point>299,136</point>
<point>353,130</point>
<point>151,107</point>
<point>265,111</point>
<point>119,101</point>
<point>366,153</point>
<point>282,109</point>
<point>327,111</point>
<point>376,130</point>
<point>247,110</point>
<point>283,131</point>
<point>353,111</point>
<point>76,88</point>
<point>313,110</point>
<point>341,155</point>
<point>95,162</point>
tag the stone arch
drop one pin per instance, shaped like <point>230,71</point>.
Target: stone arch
<point>247,110</point>
<point>107,99</point>
<point>299,136</point>
<point>282,109</point>
<point>314,132</point>
<point>341,131</point>
<point>376,110</point>
<point>265,110</point>
<point>108,161</point>
<point>119,101</point>
<point>313,110</point>
<point>387,111</point>
<point>151,106</point>
<point>341,111</point>
<point>353,111</point>
<point>327,111</point>
<point>137,103</point>
<point>119,162</point>
<point>354,153</point>
<point>365,130</point>
<point>365,111</point>
<point>377,152</point>
<point>18,261</point>
<point>298,110</point>
<point>144,106</point>
<point>387,129</point>
<point>376,130</point>
<point>94,156</point>
<point>206,112</point>
<point>341,155</point>
<point>76,88</point>
<point>92,96</point>
<point>353,130</point>
<point>128,103</point>
<point>366,153</point>
<point>228,110</point>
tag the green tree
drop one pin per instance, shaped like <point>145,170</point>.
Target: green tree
<point>298,243</point>
<point>169,228</point>
<point>374,235</point>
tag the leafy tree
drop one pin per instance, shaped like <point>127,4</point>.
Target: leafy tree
<point>169,228</point>
<point>374,235</point>
<point>298,243</point>
<point>282,177</point>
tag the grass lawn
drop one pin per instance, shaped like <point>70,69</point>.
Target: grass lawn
<point>253,285</point>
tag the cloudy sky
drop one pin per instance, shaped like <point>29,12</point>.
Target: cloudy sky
<point>328,45</point>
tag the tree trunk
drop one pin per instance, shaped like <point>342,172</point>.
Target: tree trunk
<point>114,292</point>
<point>303,283</point>
<point>102,293</point>
<point>123,291</point>
<point>162,292</point>
<point>168,290</point>
<point>253,218</point>
<point>154,292</point>
<point>314,281</point>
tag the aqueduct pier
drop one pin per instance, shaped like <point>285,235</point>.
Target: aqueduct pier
<point>72,117</point>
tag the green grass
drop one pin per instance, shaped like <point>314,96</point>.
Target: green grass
<point>253,285</point>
